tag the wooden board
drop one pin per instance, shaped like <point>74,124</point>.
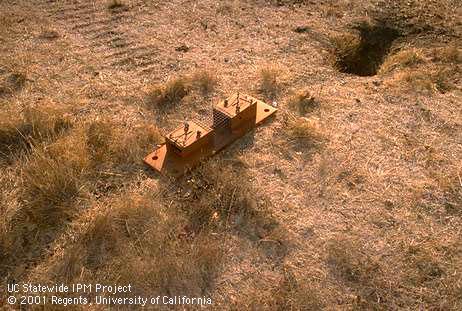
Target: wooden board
<point>170,163</point>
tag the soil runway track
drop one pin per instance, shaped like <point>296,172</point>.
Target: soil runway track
<point>109,34</point>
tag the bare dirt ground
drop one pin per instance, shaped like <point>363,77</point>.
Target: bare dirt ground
<point>350,198</point>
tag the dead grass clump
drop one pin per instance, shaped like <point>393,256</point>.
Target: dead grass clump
<point>171,266</point>
<point>348,260</point>
<point>303,102</point>
<point>287,2</point>
<point>205,81</point>
<point>419,80</point>
<point>186,270</point>
<point>270,81</point>
<point>346,50</point>
<point>352,264</point>
<point>363,52</point>
<point>19,131</point>
<point>285,293</point>
<point>306,131</point>
<point>99,135</point>
<point>427,80</point>
<point>109,143</point>
<point>45,122</point>
<point>104,234</point>
<point>68,267</point>
<point>226,8</point>
<point>12,84</point>
<point>138,240</point>
<point>219,196</point>
<point>402,59</point>
<point>336,10</point>
<point>452,194</point>
<point>50,185</point>
<point>100,241</point>
<point>445,79</point>
<point>166,261</point>
<point>423,266</point>
<point>131,146</point>
<point>293,294</point>
<point>51,180</point>
<point>115,5</point>
<point>430,271</point>
<point>116,153</point>
<point>443,199</point>
<point>448,54</point>
<point>169,93</point>
<point>49,34</point>
<point>345,44</point>
<point>417,271</point>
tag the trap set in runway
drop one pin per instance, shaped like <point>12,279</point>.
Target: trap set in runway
<point>190,143</point>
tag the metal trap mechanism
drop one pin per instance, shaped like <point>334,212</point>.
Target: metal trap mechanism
<point>190,143</point>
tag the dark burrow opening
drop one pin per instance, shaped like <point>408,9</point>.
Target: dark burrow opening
<point>362,52</point>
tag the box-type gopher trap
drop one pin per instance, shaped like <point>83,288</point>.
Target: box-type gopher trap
<point>187,145</point>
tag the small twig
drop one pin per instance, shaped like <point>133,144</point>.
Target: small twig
<point>111,174</point>
<point>230,205</point>
<point>127,228</point>
<point>320,90</point>
<point>269,240</point>
<point>141,112</point>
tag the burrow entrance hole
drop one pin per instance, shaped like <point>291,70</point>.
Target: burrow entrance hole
<point>363,51</point>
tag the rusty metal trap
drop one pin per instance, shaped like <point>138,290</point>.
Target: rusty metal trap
<point>196,140</point>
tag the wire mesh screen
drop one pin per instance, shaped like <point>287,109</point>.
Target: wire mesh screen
<point>216,120</point>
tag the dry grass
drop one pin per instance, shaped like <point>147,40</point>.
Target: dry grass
<point>335,10</point>
<point>51,180</point>
<point>305,130</point>
<point>205,81</point>
<point>99,136</point>
<point>115,4</point>
<point>135,239</point>
<point>446,79</point>
<point>293,294</point>
<point>415,270</point>
<point>358,208</point>
<point>345,48</point>
<point>426,80</point>
<point>449,54</point>
<point>19,130</point>
<point>443,198</point>
<point>350,262</point>
<point>287,293</point>
<point>424,70</point>
<point>108,142</point>
<point>170,93</point>
<point>12,83</point>
<point>302,101</point>
<point>131,147</point>
<point>220,197</point>
<point>402,59</point>
<point>49,34</point>
<point>58,178</point>
<point>270,81</point>
<point>226,8</point>
<point>417,80</point>
<point>117,153</point>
